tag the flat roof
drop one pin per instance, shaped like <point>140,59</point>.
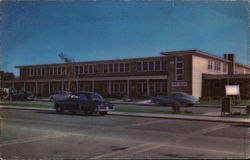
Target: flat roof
<point>167,53</point>
<point>98,61</point>
<point>200,53</point>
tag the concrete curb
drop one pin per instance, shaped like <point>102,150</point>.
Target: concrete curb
<point>183,117</point>
<point>152,104</point>
<point>144,115</point>
<point>146,104</point>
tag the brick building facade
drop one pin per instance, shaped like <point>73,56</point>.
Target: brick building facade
<point>189,71</point>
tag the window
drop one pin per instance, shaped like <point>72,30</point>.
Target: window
<point>217,66</point>
<point>179,59</point>
<point>59,70</point>
<point>116,67</point>
<point>76,69</point>
<point>224,67</point>
<point>126,67</point>
<point>145,66</point>
<point>95,68</point>
<point>179,77</point>
<point>121,67</point>
<point>35,71</point>
<point>86,68</point>
<point>164,65</point>
<point>63,70</point>
<point>157,65</point>
<point>90,69</point>
<point>39,71</point>
<point>210,64</point>
<point>55,70</point>
<point>105,68</point>
<point>51,71</point>
<point>31,72</point>
<point>138,66</point>
<point>110,67</point>
<point>179,69</point>
<point>81,69</point>
<point>122,86</point>
<point>164,87</point>
<point>151,65</point>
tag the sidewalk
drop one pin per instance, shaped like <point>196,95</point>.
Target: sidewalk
<point>149,115</point>
<point>149,103</point>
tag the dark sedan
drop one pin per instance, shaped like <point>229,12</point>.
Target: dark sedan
<point>22,96</point>
<point>84,102</point>
<point>182,98</point>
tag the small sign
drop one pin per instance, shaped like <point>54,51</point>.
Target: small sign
<point>171,62</point>
<point>179,84</point>
<point>232,90</point>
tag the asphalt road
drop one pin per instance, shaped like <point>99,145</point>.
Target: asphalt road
<point>45,135</point>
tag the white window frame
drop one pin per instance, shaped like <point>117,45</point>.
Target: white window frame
<point>176,62</point>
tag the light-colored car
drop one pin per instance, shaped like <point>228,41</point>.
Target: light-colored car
<point>182,98</point>
<point>60,96</point>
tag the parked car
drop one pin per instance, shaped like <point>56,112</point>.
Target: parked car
<point>84,102</point>
<point>182,98</point>
<point>22,96</point>
<point>60,95</point>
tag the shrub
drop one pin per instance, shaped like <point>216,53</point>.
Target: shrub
<point>187,111</point>
<point>176,106</point>
<point>237,113</point>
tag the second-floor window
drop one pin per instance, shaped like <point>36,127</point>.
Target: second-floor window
<point>179,69</point>
<point>121,67</point>
<point>224,67</point>
<point>210,64</point>
<point>138,66</point>
<point>116,68</point>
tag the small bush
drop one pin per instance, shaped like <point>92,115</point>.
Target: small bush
<point>187,111</point>
<point>176,106</point>
<point>237,113</point>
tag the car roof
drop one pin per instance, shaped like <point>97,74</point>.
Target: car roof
<point>85,92</point>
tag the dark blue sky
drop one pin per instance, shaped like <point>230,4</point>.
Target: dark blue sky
<point>36,32</point>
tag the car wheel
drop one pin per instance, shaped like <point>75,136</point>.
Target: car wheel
<point>59,110</point>
<point>73,112</point>
<point>103,113</point>
<point>88,112</point>
<point>157,102</point>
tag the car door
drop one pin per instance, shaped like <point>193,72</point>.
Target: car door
<point>83,101</point>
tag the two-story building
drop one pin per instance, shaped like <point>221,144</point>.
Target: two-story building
<point>192,71</point>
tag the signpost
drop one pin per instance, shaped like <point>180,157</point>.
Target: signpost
<point>230,90</point>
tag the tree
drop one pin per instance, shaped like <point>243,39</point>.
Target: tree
<point>69,69</point>
<point>6,75</point>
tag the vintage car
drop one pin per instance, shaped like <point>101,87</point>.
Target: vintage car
<point>182,98</point>
<point>21,95</point>
<point>84,102</point>
<point>60,95</point>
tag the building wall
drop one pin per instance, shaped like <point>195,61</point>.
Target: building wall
<point>200,65</point>
<point>98,69</point>
<point>175,84</point>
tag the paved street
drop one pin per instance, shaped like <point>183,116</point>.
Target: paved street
<point>45,135</point>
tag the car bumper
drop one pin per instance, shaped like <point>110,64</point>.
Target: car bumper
<point>104,109</point>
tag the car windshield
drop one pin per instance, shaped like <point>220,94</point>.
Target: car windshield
<point>96,97</point>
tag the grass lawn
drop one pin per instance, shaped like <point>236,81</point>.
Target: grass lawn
<point>129,100</point>
<point>218,102</point>
<point>159,111</point>
<point>25,104</point>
